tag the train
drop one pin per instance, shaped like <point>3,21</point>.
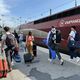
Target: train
<point>62,20</point>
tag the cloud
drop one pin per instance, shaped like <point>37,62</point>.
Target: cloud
<point>5,14</point>
<point>4,9</point>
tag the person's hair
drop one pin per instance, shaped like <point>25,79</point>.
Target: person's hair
<point>6,28</point>
<point>52,27</point>
<point>30,33</point>
<point>73,27</point>
<point>14,31</point>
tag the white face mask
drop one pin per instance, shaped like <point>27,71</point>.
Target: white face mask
<point>53,30</point>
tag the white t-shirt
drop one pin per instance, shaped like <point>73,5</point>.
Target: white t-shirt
<point>4,36</point>
<point>72,35</point>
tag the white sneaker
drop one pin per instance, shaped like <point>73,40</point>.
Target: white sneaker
<point>61,62</point>
<point>49,59</point>
<point>70,59</point>
<point>12,63</point>
<point>77,59</point>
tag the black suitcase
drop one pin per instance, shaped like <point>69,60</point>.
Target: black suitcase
<point>34,50</point>
<point>28,57</point>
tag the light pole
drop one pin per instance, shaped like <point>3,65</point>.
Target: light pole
<point>50,12</point>
<point>75,3</point>
<point>19,20</point>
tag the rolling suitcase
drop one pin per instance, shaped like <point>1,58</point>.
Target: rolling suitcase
<point>34,50</point>
<point>27,57</point>
<point>3,66</point>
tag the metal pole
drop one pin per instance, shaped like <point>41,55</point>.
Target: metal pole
<point>50,12</point>
<point>75,3</point>
<point>20,23</point>
<point>2,21</point>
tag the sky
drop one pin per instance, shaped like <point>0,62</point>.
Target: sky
<point>16,12</point>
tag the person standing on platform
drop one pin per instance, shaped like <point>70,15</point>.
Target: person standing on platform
<point>54,42</point>
<point>29,43</point>
<point>9,40</point>
<point>71,44</point>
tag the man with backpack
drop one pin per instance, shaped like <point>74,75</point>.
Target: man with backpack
<point>73,38</point>
<point>54,42</point>
<point>9,40</point>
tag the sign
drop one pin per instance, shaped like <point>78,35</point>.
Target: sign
<point>68,22</point>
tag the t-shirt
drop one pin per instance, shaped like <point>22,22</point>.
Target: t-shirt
<point>72,35</point>
<point>4,36</point>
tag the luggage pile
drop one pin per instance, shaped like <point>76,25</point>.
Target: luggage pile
<point>3,66</point>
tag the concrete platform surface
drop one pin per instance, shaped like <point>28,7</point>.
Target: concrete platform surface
<point>42,69</point>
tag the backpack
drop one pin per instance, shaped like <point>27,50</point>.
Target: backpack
<point>58,36</point>
<point>9,41</point>
<point>77,36</point>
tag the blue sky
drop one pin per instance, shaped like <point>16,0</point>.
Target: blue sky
<point>30,10</point>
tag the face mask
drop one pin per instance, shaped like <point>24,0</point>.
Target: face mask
<point>53,30</point>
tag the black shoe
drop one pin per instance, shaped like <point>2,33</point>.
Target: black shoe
<point>62,63</point>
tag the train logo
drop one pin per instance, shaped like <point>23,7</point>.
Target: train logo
<point>61,23</point>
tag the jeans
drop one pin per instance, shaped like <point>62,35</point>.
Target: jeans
<point>8,54</point>
<point>49,54</point>
<point>71,47</point>
<point>56,48</point>
<point>57,51</point>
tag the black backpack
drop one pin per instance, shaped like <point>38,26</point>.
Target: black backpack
<point>58,36</point>
<point>77,36</point>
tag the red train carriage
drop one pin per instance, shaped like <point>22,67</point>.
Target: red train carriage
<point>63,21</point>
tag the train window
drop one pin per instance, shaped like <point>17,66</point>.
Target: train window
<point>59,15</point>
<point>54,17</point>
<point>65,14</point>
<point>77,11</point>
<point>72,12</point>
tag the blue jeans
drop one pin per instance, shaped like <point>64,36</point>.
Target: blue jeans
<point>56,48</point>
